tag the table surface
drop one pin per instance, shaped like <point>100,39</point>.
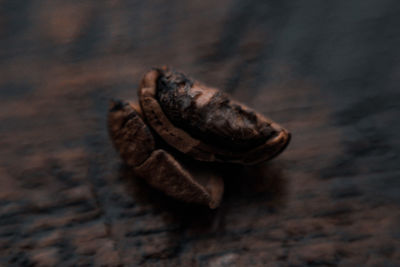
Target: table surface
<point>327,71</point>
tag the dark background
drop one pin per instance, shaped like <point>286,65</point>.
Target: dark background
<point>329,71</point>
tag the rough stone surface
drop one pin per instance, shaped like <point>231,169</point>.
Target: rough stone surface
<point>328,71</point>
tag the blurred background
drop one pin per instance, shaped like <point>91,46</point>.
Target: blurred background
<point>328,71</point>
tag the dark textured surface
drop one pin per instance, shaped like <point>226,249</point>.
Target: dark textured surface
<point>329,71</point>
<point>141,151</point>
<point>209,115</point>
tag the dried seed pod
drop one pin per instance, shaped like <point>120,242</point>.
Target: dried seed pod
<point>137,147</point>
<point>198,121</point>
<point>205,123</point>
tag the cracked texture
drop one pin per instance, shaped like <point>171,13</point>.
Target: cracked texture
<point>327,71</point>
